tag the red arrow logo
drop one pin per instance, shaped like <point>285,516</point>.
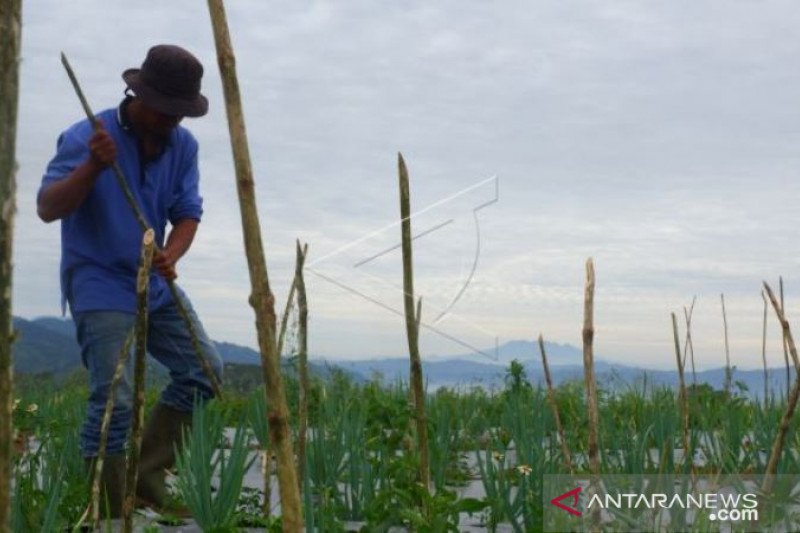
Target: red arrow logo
<point>574,494</point>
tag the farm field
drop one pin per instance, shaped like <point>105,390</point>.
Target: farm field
<point>489,453</point>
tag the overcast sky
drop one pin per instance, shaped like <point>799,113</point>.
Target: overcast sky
<point>660,138</point>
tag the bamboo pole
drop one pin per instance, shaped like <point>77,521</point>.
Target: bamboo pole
<point>682,396</point>
<point>728,377</point>
<point>795,359</point>
<point>261,298</point>
<point>137,420</point>
<point>591,388</point>
<point>143,224</point>
<point>302,353</point>
<point>791,402</point>
<point>551,396</point>
<point>285,318</point>
<point>689,345</point>
<point>764,349</point>
<point>412,325</point>
<point>94,499</point>
<point>783,341</point>
<point>11,31</point>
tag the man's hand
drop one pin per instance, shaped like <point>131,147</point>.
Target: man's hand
<point>102,149</point>
<point>163,262</point>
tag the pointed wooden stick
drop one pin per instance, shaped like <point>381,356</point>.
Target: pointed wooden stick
<point>137,420</point>
<point>591,387</point>
<point>783,341</point>
<point>302,353</point>
<point>689,345</point>
<point>94,500</point>
<point>764,349</point>
<point>261,298</point>
<point>551,396</point>
<point>728,376</point>
<point>682,396</point>
<point>412,326</point>
<point>791,403</point>
<point>11,32</point>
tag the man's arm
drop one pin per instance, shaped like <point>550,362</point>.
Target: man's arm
<point>63,197</point>
<point>178,243</point>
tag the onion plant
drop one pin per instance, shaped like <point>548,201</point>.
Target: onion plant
<point>200,460</point>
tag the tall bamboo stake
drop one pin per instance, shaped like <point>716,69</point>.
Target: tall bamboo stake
<point>137,420</point>
<point>412,325</point>
<point>551,396</point>
<point>689,345</point>
<point>591,387</point>
<point>791,402</point>
<point>285,317</point>
<point>783,341</point>
<point>261,298</point>
<point>94,500</point>
<point>302,354</point>
<point>682,396</point>
<point>11,31</point>
<point>728,376</point>
<point>764,350</point>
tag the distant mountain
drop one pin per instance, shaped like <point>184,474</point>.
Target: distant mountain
<point>40,347</point>
<point>557,354</point>
<point>49,345</point>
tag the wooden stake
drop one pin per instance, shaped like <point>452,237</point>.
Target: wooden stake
<point>591,388</point>
<point>302,354</point>
<point>11,31</point>
<point>94,499</point>
<point>551,396</point>
<point>137,420</point>
<point>689,345</point>
<point>791,402</point>
<point>261,298</point>
<point>682,396</point>
<point>764,350</point>
<point>412,326</point>
<point>728,376</point>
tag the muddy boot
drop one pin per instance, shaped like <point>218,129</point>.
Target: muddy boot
<point>162,433</point>
<point>112,484</point>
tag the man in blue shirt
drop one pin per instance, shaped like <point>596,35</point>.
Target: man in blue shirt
<point>100,244</point>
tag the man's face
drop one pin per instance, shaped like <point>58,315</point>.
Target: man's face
<point>158,123</point>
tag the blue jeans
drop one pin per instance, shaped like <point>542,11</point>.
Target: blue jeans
<point>102,334</point>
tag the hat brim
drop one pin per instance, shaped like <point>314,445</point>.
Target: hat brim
<point>168,105</point>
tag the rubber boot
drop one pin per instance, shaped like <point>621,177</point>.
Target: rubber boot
<point>112,484</point>
<point>162,433</point>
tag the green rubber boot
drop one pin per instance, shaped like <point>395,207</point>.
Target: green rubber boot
<point>112,484</point>
<point>162,433</point>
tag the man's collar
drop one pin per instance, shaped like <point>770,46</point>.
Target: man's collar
<point>123,119</point>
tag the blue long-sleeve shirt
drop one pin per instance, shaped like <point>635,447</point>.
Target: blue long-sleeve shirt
<point>101,239</point>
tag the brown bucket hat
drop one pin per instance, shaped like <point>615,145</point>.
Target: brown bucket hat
<point>169,81</point>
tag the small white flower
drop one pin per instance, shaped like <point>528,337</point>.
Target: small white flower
<point>525,470</point>
<point>16,404</point>
<point>497,456</point>
<point>32,408</point>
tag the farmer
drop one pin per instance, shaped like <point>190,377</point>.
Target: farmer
<point>100,248</point>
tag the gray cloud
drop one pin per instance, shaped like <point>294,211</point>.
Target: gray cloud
<point>659,138</point>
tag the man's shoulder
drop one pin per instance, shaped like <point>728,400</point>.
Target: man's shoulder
<point>185,138</point>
